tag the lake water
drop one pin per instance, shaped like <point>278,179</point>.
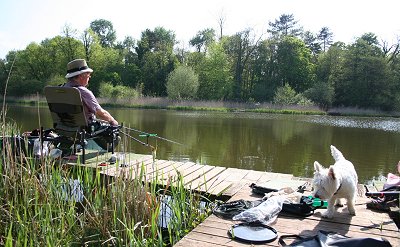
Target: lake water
<point>256,141</point>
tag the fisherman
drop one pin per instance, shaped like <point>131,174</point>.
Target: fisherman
<point>78,75</point>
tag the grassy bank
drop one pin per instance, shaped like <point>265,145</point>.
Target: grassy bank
<point>44,203</point>
<point>186,105</point>
<point>220,106</point>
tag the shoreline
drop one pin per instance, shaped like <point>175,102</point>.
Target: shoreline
<point>218,106</point>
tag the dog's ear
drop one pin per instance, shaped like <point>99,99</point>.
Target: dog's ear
<point>317,166</point>
<point>331,173</point>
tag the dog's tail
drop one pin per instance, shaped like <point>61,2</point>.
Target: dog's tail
<point>336,154</point>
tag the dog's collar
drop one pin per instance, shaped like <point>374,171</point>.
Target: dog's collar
<point>340,186</point>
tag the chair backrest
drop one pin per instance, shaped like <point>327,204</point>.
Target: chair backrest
<point>66,107</point>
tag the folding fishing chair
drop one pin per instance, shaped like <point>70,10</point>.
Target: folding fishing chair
<point>69,121</point>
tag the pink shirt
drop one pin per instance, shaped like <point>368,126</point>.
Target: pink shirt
<point>90,103</point>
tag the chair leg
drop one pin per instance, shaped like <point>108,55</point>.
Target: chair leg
<point>83,145</point>
<point>112,144</point>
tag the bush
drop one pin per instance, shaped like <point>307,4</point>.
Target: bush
<point>107,90</point>
<point>56,80</point>
<point>182,83</point>
<point>286,95</point>
<point>322,94</point>
<point>25,88</point>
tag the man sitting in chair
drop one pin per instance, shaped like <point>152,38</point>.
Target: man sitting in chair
<point>78,75</point>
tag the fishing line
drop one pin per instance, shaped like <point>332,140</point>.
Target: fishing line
<point>153,149</point>
<point>139,141</point>
<point>152,135</point>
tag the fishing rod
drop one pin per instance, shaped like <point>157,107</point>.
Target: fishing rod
<point>383,193</point>
<point>137,140</point>
<point>145,134</point>
<point>390,193</point>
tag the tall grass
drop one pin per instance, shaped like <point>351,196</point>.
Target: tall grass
<point>40,205</point>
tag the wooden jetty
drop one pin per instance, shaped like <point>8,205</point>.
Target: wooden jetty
<point>233,184</point>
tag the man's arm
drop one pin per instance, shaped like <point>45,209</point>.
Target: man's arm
<point>106,116</point>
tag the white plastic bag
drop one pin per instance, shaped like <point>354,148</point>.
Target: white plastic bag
<point>37,151</point>
<point>266,212</point>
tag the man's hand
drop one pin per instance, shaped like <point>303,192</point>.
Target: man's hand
<point>114,122</point>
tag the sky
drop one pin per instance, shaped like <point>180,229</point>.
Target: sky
<point>26,21</point>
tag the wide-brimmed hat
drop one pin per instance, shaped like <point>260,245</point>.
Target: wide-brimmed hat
<point>77,67</point>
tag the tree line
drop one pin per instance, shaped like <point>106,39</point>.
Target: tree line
<point>290,66</point>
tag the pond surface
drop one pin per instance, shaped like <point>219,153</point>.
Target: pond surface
<point>256,141</point>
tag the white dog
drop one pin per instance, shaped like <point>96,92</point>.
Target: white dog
<point>338,181</point>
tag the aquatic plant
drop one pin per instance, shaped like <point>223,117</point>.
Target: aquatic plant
<point>47,203</point>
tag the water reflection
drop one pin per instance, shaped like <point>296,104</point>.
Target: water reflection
<point>386,124</point>
<point>263,142</point>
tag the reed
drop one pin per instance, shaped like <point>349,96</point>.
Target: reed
<point>44,203</point>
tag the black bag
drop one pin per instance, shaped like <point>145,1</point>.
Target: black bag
<point>332,239</point>
<point>230,209</point>
<point>305,208</point>
<point>261,190</point>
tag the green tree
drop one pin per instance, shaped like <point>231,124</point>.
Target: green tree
<point>105,30</point>
<point>10,67</point>
<point>326,37</point>
<point>41,61</point>
<point>105,64</point>
<point>393,59</point>
<point>127,48</point>
<point>203,39</point>
<point>294,64</point>
<point>128,70</point>
<point>182,83</point>
<point>156,59</point>
<point>88,39</point>
<point>215,76</point>
<point>329,69</point>
<point>26,87</point>
<point>366,80</point>
<point>3,76</point>
<point>68,45</point>
<point>285,25</point>
<point>265,71</point>
<point>321,93</point>
<point>240,49</point>
<point>310,40</point>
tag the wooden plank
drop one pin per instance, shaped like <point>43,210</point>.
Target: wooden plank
<point>235,174</point>
<point>196,174</point>
<point>253,176</point>
<point>220,189</point>
<point>183,170</point>
<point>274,176</point>
<point>170,175</point>
<point>129,170</point>
<point>187,242</point>
<point>217,184</point>
<point>111,170</point>
<point>204,179</point>
<point>235,188</point>
<point>194,167</point>
<point>219,235</point>
<point>215,237</point>
<point>302,226</point>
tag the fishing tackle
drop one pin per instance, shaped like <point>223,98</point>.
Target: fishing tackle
<point>147,135</point>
